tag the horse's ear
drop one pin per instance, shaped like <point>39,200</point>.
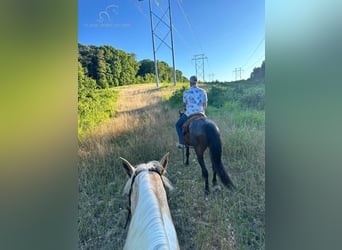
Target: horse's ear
<point>164,161</point>
<point>128,167</point>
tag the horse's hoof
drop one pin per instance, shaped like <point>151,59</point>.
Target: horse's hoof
<point>217,188</point>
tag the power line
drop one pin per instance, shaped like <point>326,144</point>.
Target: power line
<point>168,25</point>
<point>257,47</point>
<point>199,66</point>
<point>208,65</point>
<point>237,72</point>
<point>137,5</point>
<point>257,61</point>
<point>211,77</point>
<point>190,25</point>
<point>139,8</point>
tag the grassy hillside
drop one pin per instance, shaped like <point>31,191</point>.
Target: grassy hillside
<point>143,130</point>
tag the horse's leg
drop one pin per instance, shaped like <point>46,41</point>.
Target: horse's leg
<point>214,178</point>
<point>199,154</point>
<point>214,170</point>
<point>187,153</point>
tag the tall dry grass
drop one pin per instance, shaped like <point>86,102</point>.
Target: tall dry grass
<point>143,130</point>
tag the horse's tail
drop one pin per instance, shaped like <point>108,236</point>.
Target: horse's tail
<point>215,147</point>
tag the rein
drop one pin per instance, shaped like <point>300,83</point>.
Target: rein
<point>130,191</point>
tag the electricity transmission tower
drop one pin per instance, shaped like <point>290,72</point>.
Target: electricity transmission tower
<point>167,26</point>
<point>211,77</point>
<point>198,66</point>
<point>237,72</point>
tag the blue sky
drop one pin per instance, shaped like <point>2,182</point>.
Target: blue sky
<point>230,34</point>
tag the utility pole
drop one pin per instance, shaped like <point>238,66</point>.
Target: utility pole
<point>168,24</point>
<point>211,77</point>
<point>238,73</point>
<point>198,66</point>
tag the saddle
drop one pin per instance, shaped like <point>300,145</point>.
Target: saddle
<point>193,117</point>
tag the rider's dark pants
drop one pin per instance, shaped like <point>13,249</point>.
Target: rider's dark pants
<point>179,125</point>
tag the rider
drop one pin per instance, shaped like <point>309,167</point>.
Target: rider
<point>195,100</point>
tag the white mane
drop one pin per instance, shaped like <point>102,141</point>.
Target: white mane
<point>151,225</point>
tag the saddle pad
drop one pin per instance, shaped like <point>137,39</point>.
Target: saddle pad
<point>185,127</point>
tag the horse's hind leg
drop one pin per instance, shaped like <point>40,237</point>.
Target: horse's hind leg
<point>200,159</point>
<point>214,178</point>
<point>187,155</point>
<point>214,170</point>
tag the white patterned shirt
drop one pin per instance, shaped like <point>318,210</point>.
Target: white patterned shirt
<point>194,99</point>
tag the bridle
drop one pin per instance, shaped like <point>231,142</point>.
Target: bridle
<point>130,190</point>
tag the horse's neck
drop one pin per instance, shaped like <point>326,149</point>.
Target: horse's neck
<point>151,193</point>
<point>151,223</point>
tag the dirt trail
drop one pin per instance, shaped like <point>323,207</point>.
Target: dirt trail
<point>131,102</point>
<point>137,97</point>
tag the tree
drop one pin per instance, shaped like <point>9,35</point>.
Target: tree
<point>86,85</point>
<point>146,66</point>
<point>101,70</point>
<point>165,72</point>
<point>129,67</point>
<point>258,73</point>
<point>112,67</point>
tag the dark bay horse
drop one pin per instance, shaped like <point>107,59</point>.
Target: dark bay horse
<point>202,133</point>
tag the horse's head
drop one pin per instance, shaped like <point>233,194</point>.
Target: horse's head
<point>159,167</point>
<point>143,172</point>
<point>148,208</point>
<point>150,167</point>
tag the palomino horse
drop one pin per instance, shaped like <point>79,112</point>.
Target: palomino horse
<point>151,225</point>
<point>201,133</point>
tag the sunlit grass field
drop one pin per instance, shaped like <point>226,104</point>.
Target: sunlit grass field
<point>143,129</point>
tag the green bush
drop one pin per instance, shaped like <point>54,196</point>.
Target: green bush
<point>247,94</point>
<point>176,100</point>
<point>95,108</point>
<point>217,96</point>
<point>248,118</point>
<point>253,98</point>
